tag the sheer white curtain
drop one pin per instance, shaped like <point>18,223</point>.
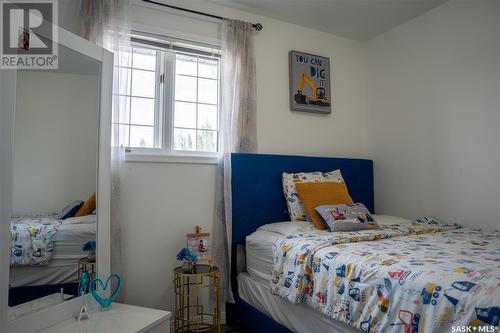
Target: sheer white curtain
<point>105,22</point>
<point>238,132</point>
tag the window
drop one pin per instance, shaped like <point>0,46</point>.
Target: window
<point>137,92</point>
<point>196,104</point>
<point>168,99</point>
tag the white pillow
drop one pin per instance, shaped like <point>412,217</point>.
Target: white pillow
<point>391,220</point>
<point>295,227</point>
<point>288,228</point>
<point>91,218</point>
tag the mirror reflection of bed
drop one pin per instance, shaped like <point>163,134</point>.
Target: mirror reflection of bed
<point>55,166</point>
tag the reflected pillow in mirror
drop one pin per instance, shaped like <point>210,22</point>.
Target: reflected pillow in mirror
<point>91,218</point>
<point>347,217</point>
<point>88,207</point>
<point>70,210</point>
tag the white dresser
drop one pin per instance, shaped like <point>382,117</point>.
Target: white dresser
<point>120,318</point>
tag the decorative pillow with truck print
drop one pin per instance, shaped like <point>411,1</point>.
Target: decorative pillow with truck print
<point>347,217</point>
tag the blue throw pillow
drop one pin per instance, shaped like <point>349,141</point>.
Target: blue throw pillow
<point>348,217</point>
<point>70,210</point>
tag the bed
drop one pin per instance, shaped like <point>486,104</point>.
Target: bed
<point>29,282</point>
<point>254,288</point>
<point>284,301</point>
<point>257,197</point>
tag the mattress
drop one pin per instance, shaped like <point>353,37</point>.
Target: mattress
<point>296,317</point>
<point>259,254</point>
<point>259,244</point>
<point>63,268</point>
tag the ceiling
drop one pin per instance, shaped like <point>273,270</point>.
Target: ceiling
<point>355,19</point>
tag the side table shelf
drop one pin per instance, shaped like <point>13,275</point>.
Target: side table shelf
<point>84,265</point>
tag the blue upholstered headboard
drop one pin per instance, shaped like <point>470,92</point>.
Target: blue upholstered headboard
<point>258,194</point>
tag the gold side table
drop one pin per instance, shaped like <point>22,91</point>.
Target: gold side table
<point>84,265</point>
<point>191,315</point>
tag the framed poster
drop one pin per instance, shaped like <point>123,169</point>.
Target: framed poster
<point>309,83</point>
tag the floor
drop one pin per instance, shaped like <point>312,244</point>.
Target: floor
<point>232,329</point>
<point>228,329</point>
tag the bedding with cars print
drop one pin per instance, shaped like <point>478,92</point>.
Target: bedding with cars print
<point>399,278</point>
<point>32,240</point>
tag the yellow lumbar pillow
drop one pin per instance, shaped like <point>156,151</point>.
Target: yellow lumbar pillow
<point>88,207</point>
<point>313,195</point>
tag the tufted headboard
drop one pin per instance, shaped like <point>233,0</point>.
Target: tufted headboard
<point>258,193</point>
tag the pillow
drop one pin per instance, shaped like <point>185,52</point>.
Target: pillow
<point>91,218</point>
<point>295,208</point>
<point>88,207</point>
<point>349,217</point>
<point>429,220</point>
<point>288,228</point>
<point>313,195</point>
<point>387,220</point>
<point>70,210</point>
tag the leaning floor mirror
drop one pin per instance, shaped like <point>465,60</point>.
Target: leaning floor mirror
<point>58,224</point>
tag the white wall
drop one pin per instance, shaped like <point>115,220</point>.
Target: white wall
<point>305,133</point>
<point>498,96</point>
<point>163,201</point>
<point>434,108</point>
<point>55,140</point>
<point>68,15</point>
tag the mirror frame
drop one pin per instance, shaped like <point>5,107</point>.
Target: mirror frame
<point>65,310</point>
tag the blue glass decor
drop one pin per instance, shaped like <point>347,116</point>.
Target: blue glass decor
<point>90,247</point>
<point>189,259</point>
<point>186,254</point>
<point>105,302</point>
<point>84,283</point>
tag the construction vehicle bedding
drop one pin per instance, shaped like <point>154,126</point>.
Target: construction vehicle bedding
<point>400,278</point>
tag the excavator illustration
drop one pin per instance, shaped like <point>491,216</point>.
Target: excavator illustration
<point>318,95</point>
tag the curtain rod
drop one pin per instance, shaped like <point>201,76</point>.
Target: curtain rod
<point>256,26</point>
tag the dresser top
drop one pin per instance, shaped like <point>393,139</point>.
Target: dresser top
<point>121,318</point>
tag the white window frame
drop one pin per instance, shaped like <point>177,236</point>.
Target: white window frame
<point>164,107</point>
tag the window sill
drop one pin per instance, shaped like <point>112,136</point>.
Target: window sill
<point>160,158</point>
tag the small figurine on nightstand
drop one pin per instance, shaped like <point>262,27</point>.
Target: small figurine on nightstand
<point>84,314</point>
<point>199,244</point>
